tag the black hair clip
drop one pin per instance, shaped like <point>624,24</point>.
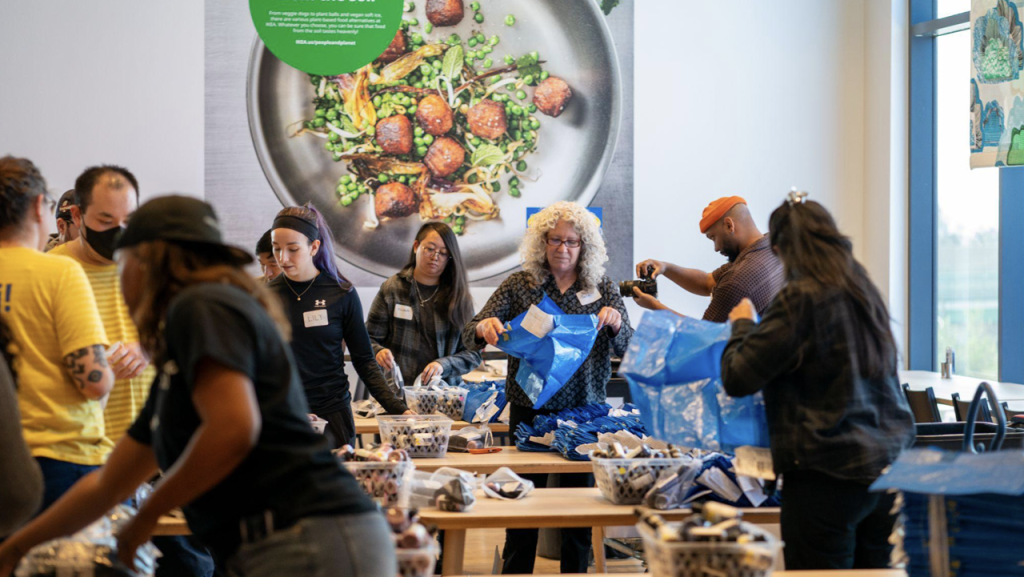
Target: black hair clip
<point>796,196</point>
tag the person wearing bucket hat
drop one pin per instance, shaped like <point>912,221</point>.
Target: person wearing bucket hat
<point>66,229</point>
<point>825,357</point>
<point>753,270</point>
<point>226,419</point>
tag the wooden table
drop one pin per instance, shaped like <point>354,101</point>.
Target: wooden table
<point>371,427</point>
<point>554,508</point>
<point>944,388</point>
<point>521,462</point>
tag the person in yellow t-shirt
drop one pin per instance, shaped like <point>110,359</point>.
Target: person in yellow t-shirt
<point>59,342</point>
<point>105,197</point>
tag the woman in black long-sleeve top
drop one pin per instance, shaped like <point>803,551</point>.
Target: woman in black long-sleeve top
<point>825,357</point>
<point>326,315</point>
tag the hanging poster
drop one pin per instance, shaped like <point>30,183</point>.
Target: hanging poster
<point>997,86</point>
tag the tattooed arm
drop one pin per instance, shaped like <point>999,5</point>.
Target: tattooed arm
<point>91,372</point>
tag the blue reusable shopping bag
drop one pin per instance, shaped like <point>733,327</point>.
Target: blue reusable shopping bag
<point>549,362</point>
<point>673,366</point>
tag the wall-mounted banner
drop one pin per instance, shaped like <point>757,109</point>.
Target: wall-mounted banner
<point>327,37</point>
<point>997,86</point>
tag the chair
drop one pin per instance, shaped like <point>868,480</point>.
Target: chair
<point>961,407</point>
<point>923,405</point>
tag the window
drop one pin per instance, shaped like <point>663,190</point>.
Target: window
<point>967,206</point>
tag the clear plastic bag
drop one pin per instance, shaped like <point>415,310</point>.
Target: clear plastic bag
<point>506,485</point>
<point>463,440</point>
<point>92,552</point>
<point>447,489</point>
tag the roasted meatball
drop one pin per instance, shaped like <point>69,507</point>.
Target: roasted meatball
<point>445,12</point>
<point>395,49</point>
<point>395,200</point>
<point>434,115</point>
<point>552,96</point>
<point>487,119</point>
<point>444,157</point>
<point>394,135</point>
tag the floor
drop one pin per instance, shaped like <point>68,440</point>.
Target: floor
<point>482,545</point>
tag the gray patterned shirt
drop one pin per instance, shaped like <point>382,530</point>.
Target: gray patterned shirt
<point>587,385</point>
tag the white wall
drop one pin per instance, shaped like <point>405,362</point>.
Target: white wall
<point>104,81</point>
<point>755,100</point>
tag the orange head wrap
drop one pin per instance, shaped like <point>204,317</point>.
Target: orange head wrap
<point>717,209</point>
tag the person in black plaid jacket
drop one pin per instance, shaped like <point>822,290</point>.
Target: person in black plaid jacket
<point>563,257</point>
<point>417,317</point>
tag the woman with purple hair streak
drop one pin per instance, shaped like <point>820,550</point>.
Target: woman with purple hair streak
<point>326,316</point>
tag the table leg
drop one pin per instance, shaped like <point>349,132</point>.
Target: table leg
<point>454,551</point>
<point>600,563</point>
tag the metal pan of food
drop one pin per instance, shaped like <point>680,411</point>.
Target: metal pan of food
<point>468,123</point>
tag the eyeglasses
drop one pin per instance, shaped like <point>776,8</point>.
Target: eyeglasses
<point>568,242</point>
<point>432,252</point>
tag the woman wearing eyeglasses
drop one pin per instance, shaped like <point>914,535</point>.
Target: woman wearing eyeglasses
<point>416,320</point>
<point>563,257</point>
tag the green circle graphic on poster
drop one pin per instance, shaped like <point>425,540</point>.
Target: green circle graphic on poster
<point>327,37</point>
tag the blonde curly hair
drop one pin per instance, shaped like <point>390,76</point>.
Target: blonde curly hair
<point>533,249</point>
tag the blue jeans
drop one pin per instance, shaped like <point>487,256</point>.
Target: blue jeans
<point>58,477</point>
<point>350,545</point>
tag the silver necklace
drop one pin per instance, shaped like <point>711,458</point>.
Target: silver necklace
<point>298,296</point>
<point>416,287</point>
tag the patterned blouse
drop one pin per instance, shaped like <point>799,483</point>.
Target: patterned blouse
<point>587,385</point>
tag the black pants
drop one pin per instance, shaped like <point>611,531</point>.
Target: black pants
<point>829,523</point>
<point>521,544</point>
<point>341,426</point>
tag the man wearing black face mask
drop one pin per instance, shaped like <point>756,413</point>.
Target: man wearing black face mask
<point>753,270</point>
<point>105,197</point>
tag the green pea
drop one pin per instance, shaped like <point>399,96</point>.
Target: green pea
<point>315,80</point>
<point>487,50</point>
<point>514,192</point>
<point>479,18</point>
<point>401,179</point>
<point>412,109</point>
<point>469,61</point>
<point>421,151</point>
<point>341,189</point>
<point>460,220</point>
<point>528,137</point>
<point>475,6</point>
<point>417,131</point>
<point>510,20</point>
<point>521,94</point>
<point>308,125</point>
<point>544,75</point>
<point>532,108</point>
<point>509,60</point>
<point>448,219</point>
<point>495,79</point>
<point>476,141</point>
<point>496,186</point>
<point>488,63</point>
<point>513,181</point>
<point>480,37</point>
<point>516,135</point>
<point>471,42</point>
<point>334,137</point>
<point>521,166</point>
<point>493,40</point>
<point>410,6</point>
<point>387,97</point>
<point>454,39</point>
<point>319,122</point>
<point>472,179</point>
<point>351,187</point>
<point>377,101</point>
<point>332,114</point>
<point>320,112</point>
<point>428,140</point>
<point>418,141</point>
<point>428,27</point>
<point>345,179</point>
<point>382,178</point>
<point>517,110</point>
<point>345,201</point>
<point>535,56</point>
<point>417,85</point>
<point>371,130</point>
<point>534,123</point>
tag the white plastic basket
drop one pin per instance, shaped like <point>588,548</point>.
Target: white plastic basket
<point>422,436</point>
<point>417,562</point>
<point>386,482</point>
<point>449,401</point>
<point>700,559</point>
<point>626,481</point>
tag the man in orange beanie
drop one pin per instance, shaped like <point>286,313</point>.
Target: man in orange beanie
<point>753,270</point>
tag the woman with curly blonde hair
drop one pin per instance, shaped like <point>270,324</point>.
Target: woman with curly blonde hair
<point>563,257</point>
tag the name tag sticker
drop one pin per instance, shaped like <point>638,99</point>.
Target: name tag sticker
<point>403,312</point>
<point>315,318</point>
<point>588,297</point>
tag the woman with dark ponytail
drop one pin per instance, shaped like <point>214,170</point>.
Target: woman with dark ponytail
<point>826,359</point>
<point>326,316</point>
<point>417,318</point>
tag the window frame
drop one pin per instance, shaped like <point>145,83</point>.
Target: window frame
<point>922,310</point>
